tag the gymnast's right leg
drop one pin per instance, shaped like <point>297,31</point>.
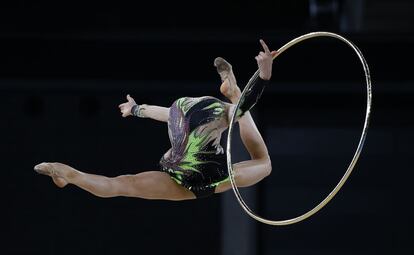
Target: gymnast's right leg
<point>147,185</point>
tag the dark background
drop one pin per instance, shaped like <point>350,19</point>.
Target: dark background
<point>66,66</point>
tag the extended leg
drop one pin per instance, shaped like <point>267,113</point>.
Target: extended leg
<point>147,185</point>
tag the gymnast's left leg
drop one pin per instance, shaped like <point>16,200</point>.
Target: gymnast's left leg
<point>147,185</point>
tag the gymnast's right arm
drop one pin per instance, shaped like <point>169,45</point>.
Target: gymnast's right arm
<point>131,108</point>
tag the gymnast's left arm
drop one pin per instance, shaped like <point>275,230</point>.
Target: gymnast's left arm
<point>131,108</point>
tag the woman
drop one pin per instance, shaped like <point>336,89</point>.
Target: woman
<point>195,166</point>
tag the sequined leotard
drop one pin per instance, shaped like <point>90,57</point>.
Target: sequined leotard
<point>196,159</point>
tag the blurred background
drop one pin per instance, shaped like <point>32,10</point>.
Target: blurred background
<point>66,66</point>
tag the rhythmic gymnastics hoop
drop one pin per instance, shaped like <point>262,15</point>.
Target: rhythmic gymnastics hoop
<point>354,159</point>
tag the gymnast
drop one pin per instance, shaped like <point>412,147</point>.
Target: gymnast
<point>196,165</point>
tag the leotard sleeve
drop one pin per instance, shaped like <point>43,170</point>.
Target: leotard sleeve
<point>252,96</point>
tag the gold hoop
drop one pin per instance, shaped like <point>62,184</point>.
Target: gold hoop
<point>354,159</point>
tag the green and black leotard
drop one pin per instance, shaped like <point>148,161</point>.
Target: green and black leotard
<point>196,159</point>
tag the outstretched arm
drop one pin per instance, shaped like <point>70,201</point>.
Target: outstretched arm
<point>131,108</point>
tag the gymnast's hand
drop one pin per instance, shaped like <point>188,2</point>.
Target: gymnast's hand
<point>265,61</point>
<point>126,107</point>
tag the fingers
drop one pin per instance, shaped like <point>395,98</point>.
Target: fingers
<point>121,107</point>
<point>266,54</point>
<point>262,56</point>
<point>264,61</point>
<point>124,107</point>
<point>124,112</point>
<point>129,98</point>
<point>266,49</point>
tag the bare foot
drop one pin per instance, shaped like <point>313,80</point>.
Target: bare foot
<point>229,86</point>
<point>57,171</point>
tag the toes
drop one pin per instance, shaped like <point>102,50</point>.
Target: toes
<point>221,64</point>
<point>217,61</point>
<point>42,168</point>
<point>49,169</point>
